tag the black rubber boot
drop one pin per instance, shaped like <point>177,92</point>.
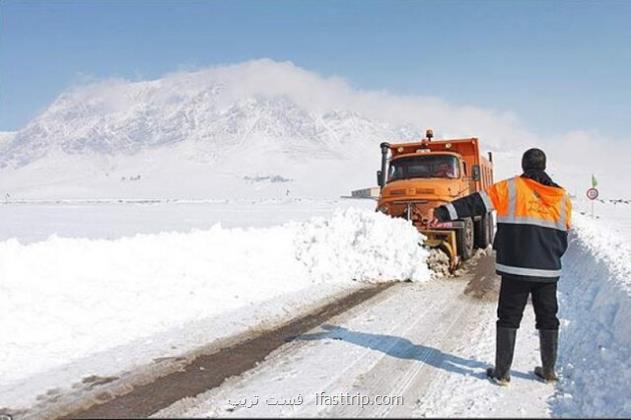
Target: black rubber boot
<point>548,343</point>
<point>504,349</point>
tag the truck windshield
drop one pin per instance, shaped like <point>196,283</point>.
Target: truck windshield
<point>424,167</point>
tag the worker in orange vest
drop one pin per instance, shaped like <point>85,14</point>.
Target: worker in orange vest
<point>533,220</point>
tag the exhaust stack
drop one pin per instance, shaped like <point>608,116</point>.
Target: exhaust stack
<point>385,147</point>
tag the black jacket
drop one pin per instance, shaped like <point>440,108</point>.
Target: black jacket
<point>533,220</point>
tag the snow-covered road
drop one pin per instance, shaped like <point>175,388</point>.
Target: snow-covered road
<point>413,350</point>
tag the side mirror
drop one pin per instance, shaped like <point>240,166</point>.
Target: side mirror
<point>379,178</point>
<point>476,172</point>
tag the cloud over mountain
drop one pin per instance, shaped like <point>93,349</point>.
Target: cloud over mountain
<point>255,119</point>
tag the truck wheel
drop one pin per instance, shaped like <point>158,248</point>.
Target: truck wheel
<point>465,239</point>
<point>483,231</point>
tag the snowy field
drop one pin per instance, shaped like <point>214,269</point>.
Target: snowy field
<point>612,214</point>
<point>74,306</point>
<point>99,288</point>
<point>31,221</point>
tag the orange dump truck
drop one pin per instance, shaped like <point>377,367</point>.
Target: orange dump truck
<point>419,176</point>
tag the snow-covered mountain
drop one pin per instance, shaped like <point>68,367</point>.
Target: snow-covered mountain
<point>259,128</point>
<point>190,127</point>
<point>133,117</point>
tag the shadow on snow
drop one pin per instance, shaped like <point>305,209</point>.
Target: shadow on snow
<point>402,348</point>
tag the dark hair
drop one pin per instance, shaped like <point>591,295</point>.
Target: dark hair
<point>533,159</point>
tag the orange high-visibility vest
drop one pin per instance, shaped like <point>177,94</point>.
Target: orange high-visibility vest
<point>521,200</point>
<point>533,221</point>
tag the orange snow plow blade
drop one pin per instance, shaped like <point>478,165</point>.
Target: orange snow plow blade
<point>445,240</point>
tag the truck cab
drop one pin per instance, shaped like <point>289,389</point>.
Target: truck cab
<point>427,179</point>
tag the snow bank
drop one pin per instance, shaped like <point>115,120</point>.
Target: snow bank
<point>595,294</point>
<point>66,298</point>
<point>362,246</point>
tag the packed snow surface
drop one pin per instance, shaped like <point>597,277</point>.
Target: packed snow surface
<point>424,347</point>
<point>67,298</point>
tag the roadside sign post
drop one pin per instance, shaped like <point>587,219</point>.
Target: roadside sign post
<point>592,194</point>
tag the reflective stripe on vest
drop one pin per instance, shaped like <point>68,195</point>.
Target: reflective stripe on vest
<point>562,215</point>
<point>512,198</point>
<point>488,204</point>
<point>521,271</point>
<point>452,211</point>
<point>532,221</point>
<point>527,220</point>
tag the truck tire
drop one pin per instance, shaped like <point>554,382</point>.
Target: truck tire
<point>465,239</point>
<point>484,231</point>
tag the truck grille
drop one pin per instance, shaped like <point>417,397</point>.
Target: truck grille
<point>411,191</point>
<point>397,192</point>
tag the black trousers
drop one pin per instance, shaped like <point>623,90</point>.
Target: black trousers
<point>513,297</point>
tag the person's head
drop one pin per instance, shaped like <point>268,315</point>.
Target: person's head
<point>443,167</point>
<point>533,159</point>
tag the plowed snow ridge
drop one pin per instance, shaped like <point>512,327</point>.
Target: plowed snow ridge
<point>595,306</point>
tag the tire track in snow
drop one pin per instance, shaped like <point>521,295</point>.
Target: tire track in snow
<point>329,365</point>
<point>402,382</point>
<point>209,370</point>
<point>216,402</point>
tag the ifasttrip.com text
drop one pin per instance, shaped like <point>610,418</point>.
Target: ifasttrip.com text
<point>322,399</point>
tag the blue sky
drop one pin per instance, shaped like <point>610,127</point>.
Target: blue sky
<point>558,66</point>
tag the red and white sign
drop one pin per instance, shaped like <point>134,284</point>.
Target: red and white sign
<point>592,193</point>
